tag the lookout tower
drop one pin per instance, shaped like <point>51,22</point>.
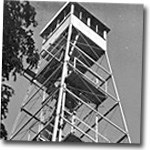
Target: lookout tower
<point>73,96</point>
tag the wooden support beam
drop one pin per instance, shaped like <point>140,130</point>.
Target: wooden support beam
<point>122,138</point>
<point>100,119</point>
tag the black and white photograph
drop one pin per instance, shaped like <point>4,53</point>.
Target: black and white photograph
<point>72,72</point>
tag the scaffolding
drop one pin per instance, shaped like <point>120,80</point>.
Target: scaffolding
<point>73,96</point>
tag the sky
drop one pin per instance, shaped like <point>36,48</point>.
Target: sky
<point>124,50</point>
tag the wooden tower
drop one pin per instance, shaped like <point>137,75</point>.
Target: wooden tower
<point>73,95</point>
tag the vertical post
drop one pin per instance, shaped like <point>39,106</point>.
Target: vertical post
<point>116,91</point>
<point>73,122</point>
<point>96,28</point>
<point>106,88</point>
<point>29,136</point>
<point>80,15</point>
<point>72,9</point>
<point>89,22</point>
<point>57,23</point>
<point>73,45</point>
<point>41,113</point>
<point>105,35</point>
<point>62,114</point>
<point>61,92</point>
<point>74,62</point>
<point>96,123</point>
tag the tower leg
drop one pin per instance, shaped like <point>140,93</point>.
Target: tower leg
<point>61,92</point>
<point>118,98</point>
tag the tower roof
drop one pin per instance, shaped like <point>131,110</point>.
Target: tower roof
<point>78,8</point>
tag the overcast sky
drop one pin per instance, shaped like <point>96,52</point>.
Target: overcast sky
<point>124,50</point>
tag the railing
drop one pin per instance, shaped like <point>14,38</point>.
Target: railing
<point>56,22</point>
<point>90,20</point>
<point>81,14</point>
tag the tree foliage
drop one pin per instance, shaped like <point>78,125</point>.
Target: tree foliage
<point>18,43</point>
<point>18,47</point>
<point>3,132</point>
<point>6,95</point>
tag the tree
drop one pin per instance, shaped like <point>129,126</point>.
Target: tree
<point>18,49</point>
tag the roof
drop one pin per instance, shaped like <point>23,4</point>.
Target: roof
<point>77,7</point>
